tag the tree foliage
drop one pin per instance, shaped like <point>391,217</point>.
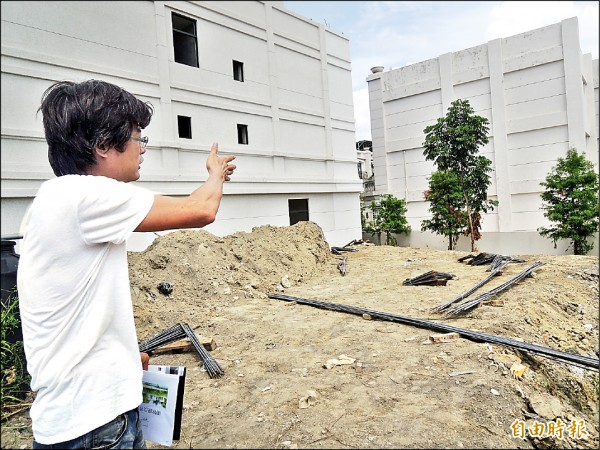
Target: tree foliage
<point>447,207</point>
<point>389,216</point>
<point>452,143</point>
<point>571,202</point>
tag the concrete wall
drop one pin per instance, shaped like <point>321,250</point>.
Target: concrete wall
<point>296,100</point>
<point>538,93</point>
<point>520,243</point>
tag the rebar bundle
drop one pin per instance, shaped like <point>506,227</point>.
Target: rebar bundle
<point>212,367</point>
<point>499,259</point>
<point>498,263</point>
<point>469,305</point>
<point>429,278</point>
<point>478,260</point>
<point>486,258</point>
<point>338,250</point>
<point>172,334</point>
<point>568,358</point>
<point>176,333</point>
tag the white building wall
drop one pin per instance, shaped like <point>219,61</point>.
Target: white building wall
<point>296,100</point>
<point>595,106</point>
<point>540,96</point>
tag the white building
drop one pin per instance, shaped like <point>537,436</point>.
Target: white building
<point>540,95</point>
<point>268,85</point>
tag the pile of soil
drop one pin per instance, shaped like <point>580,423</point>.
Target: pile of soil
<point>296,376</point>
<point>207,273</point>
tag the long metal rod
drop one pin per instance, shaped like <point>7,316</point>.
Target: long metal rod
<point>210,364</point>
<point>569,358</point>
<point>171,334</point>
<point>470,304</point>
<point>502,263</point>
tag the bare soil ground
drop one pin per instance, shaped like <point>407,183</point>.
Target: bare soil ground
<point>397,388</point>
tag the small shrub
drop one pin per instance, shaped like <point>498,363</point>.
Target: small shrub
<point>389,216</point>
<point>15,379</point>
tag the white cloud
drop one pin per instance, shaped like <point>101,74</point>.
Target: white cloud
<point>510,18</point>
<point>515,17</point>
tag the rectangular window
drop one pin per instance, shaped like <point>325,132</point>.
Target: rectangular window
<point>238,71</point>
<point>185,41</point>
<point>242,134</point>
<point>298,209</point>
<point>184,127</point>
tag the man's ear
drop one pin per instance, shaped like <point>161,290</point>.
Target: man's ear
<point>101,153</point>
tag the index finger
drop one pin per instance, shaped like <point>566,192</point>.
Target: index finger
<point>215,148</point>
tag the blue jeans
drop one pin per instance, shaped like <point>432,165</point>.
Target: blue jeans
<point>123,432</point>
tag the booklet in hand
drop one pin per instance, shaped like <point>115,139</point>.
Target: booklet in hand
<point>162,406</point>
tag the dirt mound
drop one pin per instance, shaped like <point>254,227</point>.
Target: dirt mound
<point>209,272</point>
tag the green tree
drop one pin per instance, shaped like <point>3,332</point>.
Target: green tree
<point>447,207</point>
<point>452,143</point>
<point>571,202</point>
<point>389,216</point>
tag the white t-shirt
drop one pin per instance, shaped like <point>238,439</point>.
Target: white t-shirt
<point>75,304</point>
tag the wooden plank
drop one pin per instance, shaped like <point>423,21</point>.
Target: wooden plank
<point>184,346</point>
<point>494,302</point>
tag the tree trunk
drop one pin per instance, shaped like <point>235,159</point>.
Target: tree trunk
<point>472,234</point>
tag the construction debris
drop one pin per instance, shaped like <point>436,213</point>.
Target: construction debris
<point>309,400</point>
<point>518,370</point>
<point>339,250</point>
<point>211,366</point>
<point>469,305</point>
<point>176,333</point>
<point>499,263</point>
<point>487,258</point>
<point>446,337</point>
<point>341,361</point>
<point>431,278</point>
<point>165,288</point>
<point>494,302</point>
<point>585,362</point>
<point>184,346</point>
<point>342,266</point>
<point>462,372</point>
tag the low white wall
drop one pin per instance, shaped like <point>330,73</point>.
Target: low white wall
<point>515,243</point>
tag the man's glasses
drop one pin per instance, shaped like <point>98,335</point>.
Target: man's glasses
<point>143,141</point>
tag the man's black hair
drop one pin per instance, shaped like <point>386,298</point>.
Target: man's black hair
<point>78,117</point>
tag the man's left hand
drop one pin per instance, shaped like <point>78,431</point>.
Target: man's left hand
<point>145,360</point>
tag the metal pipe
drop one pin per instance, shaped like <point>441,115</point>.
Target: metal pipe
<point>467,306</point>
<point>569,358</point>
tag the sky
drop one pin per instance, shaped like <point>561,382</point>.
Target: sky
<point>395,34</point>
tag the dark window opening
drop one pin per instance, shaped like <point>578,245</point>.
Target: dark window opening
<point>242,134</point>
<point>185,42</point>
<point>184,126</point>
<point>238,71</point>
<point>298,210</point>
